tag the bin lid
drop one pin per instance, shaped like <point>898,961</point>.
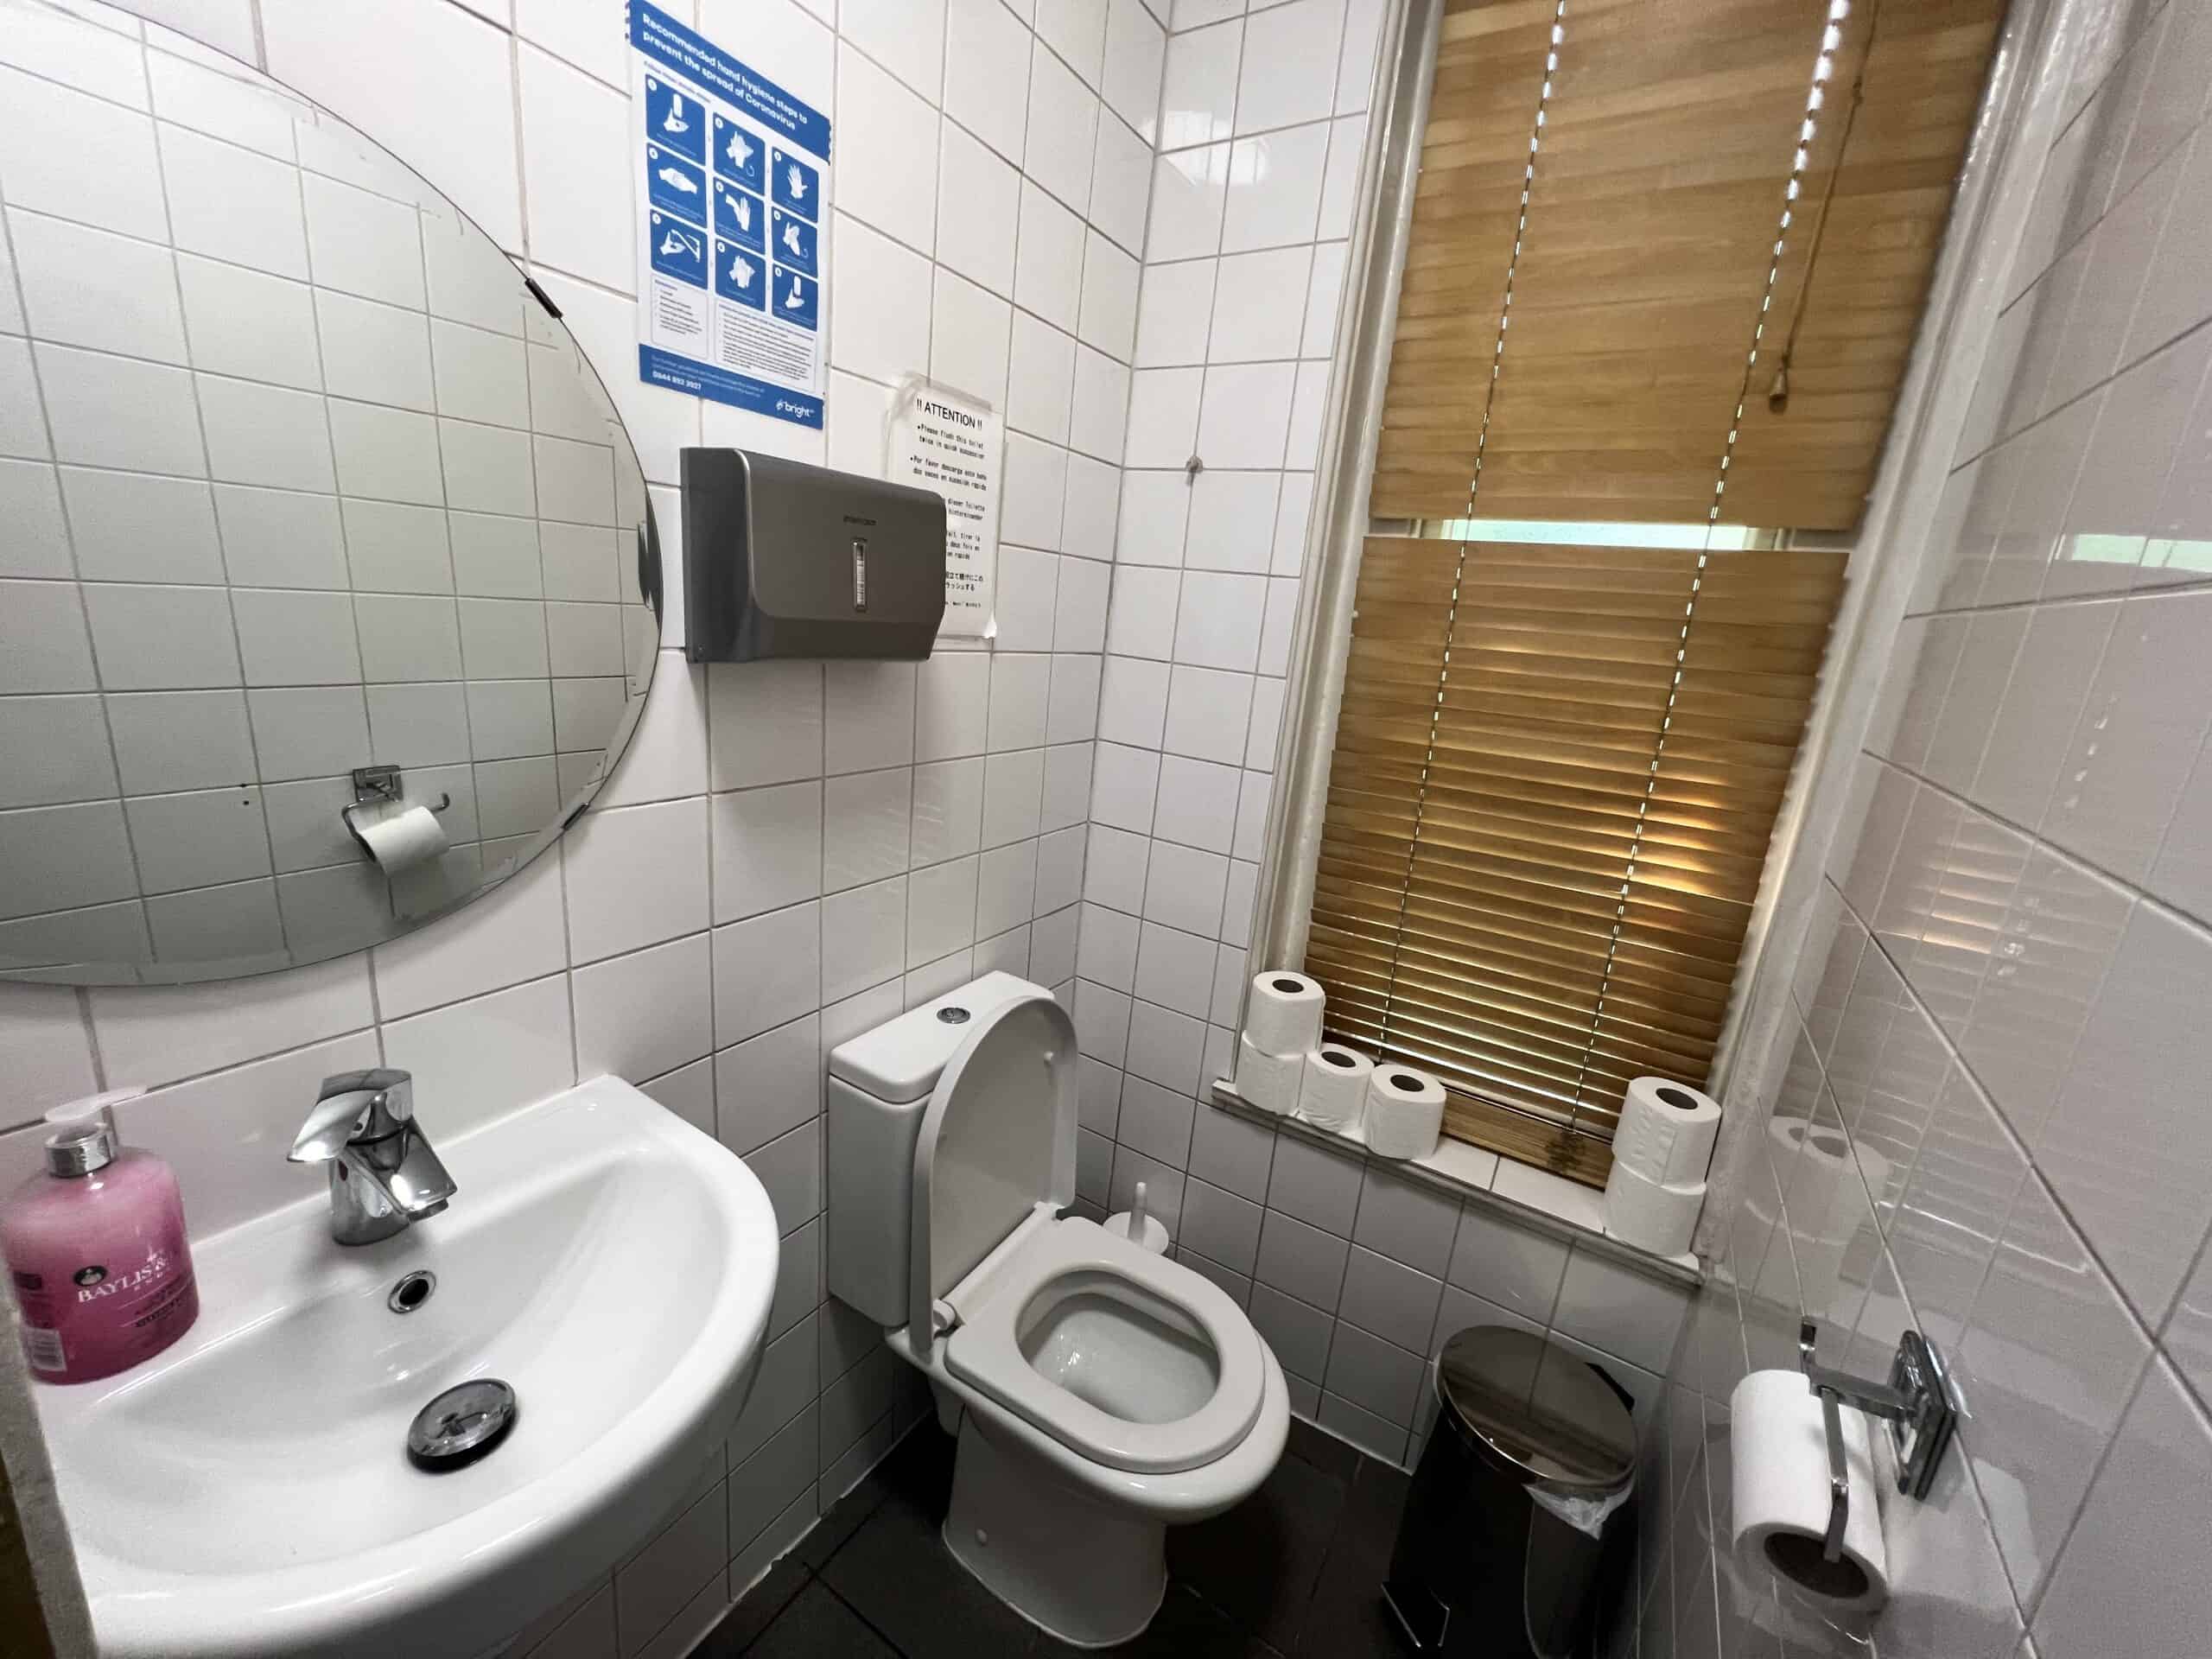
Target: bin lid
<point>1535,1411</point>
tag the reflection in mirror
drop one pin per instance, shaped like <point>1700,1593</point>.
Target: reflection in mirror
<point>298,479</point>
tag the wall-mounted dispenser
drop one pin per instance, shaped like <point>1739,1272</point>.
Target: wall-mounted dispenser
<point>781,559</point>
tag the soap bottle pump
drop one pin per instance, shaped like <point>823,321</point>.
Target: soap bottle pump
<point>96,1251</point>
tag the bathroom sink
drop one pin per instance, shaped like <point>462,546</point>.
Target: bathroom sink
<point>251,1492</point>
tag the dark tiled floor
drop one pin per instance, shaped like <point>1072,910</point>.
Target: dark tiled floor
<point>1294,1570</point>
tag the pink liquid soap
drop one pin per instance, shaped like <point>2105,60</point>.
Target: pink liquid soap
<point>97,1257</point>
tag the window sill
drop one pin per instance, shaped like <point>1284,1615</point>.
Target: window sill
<point>1532,1198</point>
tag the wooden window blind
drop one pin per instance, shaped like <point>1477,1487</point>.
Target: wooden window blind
<point>1600,241</point>
<point>1559,764</point>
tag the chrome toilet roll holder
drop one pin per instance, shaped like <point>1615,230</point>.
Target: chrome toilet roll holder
<point>380,786</point>
<point>1916,1402</point>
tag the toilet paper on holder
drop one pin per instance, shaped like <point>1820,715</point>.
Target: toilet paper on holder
<point>1784,1505</point>
<point>1804,1485</point>
<point>396,833</point>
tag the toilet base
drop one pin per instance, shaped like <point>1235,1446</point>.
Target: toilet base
<point>1089,1573</point>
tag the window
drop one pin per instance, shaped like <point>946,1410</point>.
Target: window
<point>1666,263</point>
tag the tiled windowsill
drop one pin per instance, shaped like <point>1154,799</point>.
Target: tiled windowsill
<point>1532,1198</point>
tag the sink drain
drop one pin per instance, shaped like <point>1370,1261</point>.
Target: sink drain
<point>462,1425</point>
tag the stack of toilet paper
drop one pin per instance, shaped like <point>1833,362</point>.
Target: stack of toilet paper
<point>1283,1066</point>
<point>1661,1149</point>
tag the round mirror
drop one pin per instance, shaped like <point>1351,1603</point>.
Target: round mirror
<point>328,584</point>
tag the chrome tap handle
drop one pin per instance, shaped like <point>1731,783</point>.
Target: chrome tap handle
<point>351,1107</point>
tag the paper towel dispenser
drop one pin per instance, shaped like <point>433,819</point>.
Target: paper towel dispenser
<point>781,559</point>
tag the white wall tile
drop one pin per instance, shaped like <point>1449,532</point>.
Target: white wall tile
<point>644,1013</point>
<point>1288,71</point>
<point>1197,90</point>
<point>864,937</point>
<point>766,970</point>
<point>765,723</point>
<point>1048,263</point>
<point>90,287</point>
<point>907,36</point>
<point>1188,190</point>
<point>1121,183</point>
<point>887,149</point>
<point>767,846</point>
<point>576,164</point>
<point>635,875</point>
<point>441,94</point>
<point>1274,186</point>
<point>2109,1593</point>
<point>986,74</point>
<point>516,932</point>
<point>1064,117</point>
<point>880,308</point>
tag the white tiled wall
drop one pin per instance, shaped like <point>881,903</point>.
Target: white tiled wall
<point>789,852</point>
<point>2001,1007</point>
<point>262,354</point>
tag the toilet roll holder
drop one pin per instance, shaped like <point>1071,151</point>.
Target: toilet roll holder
<point>380,786</point>
<point>376,787</point>
<point>1916,1403</point>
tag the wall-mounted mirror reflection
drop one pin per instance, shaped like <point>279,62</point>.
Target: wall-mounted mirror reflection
<point>299,480</point>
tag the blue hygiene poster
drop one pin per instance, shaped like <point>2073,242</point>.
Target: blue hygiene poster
<point>734,181</point>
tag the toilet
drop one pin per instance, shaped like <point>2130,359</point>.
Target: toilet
<point>1099,1393</point>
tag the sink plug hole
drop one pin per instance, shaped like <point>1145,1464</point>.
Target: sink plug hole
<point>411,1291</point>
<point>462,1425</point>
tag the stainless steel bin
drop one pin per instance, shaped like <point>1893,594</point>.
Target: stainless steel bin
<point>1517,1538</point>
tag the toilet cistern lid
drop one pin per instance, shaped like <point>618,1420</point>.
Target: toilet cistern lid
<point>900,1060</point>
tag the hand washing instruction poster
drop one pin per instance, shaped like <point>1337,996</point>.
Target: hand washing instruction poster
<point>733,282</point>
<point>941,440</point>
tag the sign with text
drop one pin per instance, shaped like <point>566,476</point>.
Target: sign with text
<point>731,281</point>
<point>943,441</point>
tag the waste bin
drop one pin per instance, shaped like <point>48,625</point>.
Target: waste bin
<point>1516,1539</point>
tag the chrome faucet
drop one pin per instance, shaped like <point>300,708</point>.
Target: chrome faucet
<point>383,1176</point>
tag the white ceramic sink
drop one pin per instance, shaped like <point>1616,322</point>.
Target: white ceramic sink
<point>249,1493</point>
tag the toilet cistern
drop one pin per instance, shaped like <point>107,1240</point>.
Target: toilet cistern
<point>384,1175</point>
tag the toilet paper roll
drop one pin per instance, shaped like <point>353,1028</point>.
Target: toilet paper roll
<point>1815,1161</point>
<point>1405,1112</point>
<point>1781,1493</point>
<point>1666,1131</point>
<point>1333,1093</point>
<point>1284,1013</point>
<point>1268,1080</point>
<point>398,835</point>
<point>1651,1215</point>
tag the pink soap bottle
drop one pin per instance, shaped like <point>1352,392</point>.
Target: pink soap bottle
<point>96,1251</point>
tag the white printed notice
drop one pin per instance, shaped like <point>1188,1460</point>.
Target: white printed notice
<point>733,278</point>
<point>942,441</point>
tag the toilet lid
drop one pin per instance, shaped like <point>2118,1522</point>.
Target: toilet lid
<point>997,1138</point>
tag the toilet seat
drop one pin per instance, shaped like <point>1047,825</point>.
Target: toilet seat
<point>1061,1258</point>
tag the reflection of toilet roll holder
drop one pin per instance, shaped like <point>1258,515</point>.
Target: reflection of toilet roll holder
<point>1916,1403</point>
<point>381,786</point>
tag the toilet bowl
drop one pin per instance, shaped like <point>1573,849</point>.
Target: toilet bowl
<point>1101,1392</point>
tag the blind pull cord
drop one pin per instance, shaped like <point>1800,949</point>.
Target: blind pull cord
<point>1777,394</point>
